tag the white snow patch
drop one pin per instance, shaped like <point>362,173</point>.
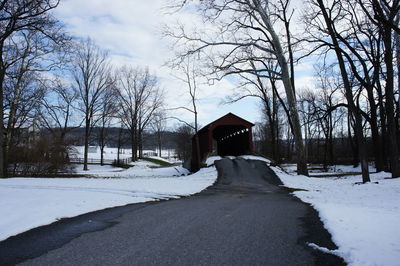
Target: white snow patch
<point>317,169</point>
<point>140,169</point>
<point>257,158</point>
<point>362,218</point>
<point>112,154</point>
<point>109,153</point>
<point>211,160</point>
<point>162,159</point>
<point>325,250</point>
<point>26,203</point>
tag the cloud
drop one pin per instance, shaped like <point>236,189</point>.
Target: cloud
<point>131,31</point>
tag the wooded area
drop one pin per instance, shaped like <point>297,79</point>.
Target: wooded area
<point>52,83</point>
<point>355,47</point>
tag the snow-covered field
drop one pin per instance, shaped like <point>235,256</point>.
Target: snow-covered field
<point>140,168</point>
<point>109,153</point>
<point>211,160</point>
<point>317,169</point>
<point>26,203</point>
<point>112,153</point>
<point>362,218</point>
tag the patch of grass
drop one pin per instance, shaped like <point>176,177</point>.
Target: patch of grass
<point>121,164</point>
<point>156,161</point>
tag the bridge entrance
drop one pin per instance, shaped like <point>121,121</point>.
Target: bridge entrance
<point>228,135</point>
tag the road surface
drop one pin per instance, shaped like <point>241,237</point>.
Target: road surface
<point>244,219</point>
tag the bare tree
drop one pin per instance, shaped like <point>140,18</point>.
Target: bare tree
<point>58,108</point>
<point>188,73</point>
<point>183,141</point>
<point>104,119</point>
<point>385,15</point>
<point>265,89</point>
<point>139,99</point>
<point>158,126</point>
<point>245,26</point>
<point>327,26</point>
<point>92,80</point>
<point>15,17</point>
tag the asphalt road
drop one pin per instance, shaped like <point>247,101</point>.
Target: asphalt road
<point>244,219</point>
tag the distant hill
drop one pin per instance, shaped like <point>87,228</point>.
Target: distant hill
<point>76,137</point>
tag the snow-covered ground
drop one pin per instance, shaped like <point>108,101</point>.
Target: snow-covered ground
<point>112,153</point>
<point>362,218</point>
<point>211,160</point>
<point>317,169</point>
<point>26,203</point>
<point>109,153</point>
<point>141,168</point>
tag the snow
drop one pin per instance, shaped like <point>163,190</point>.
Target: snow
<point>26,203</point>
<point>141,168</point>
<point>112,154</point>
<point>109,153</point>
<point>211,160</point>
<point>317,169</point>
<point>253,157</point>
<point>162,159</point>
<point>362,218</point>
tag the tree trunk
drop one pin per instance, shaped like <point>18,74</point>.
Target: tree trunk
<point>394,156</point>
<point>358,128</point>
<point>159,143</point>
<point>353,144</point>
<point>86,149</point>
<point>3,166</point>
<point>397,39</point>
<point>140,143</point>
<point>382,118</point>
<point>291,97</point>
<point>102,145</point>
<point>101,155</point>
<point>133,146</point>
<point>276,127</point>
<point>119,144</point>
<point>330,144</point>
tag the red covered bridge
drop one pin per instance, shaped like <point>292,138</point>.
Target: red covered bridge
<point>228,135</point>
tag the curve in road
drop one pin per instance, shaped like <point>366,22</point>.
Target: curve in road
<point>246,218</point>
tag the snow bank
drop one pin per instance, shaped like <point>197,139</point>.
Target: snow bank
<point>162,159</point>
<point>26,203</point>
<point>362,218</point>
<point>140,169</point>
<point>253,157</point>
<point>317,169</point>
<point>211,160</point>
<point>112,153</point>
<point>109,153</point>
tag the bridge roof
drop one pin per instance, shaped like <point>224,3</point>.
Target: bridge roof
<point>227,120</point>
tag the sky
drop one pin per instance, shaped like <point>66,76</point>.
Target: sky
<point>131,31</point>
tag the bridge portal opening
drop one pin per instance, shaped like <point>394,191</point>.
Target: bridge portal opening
<point>228,135</point>
<point>231,140</point>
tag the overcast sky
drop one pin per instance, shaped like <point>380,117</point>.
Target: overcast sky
<point>131,31</point>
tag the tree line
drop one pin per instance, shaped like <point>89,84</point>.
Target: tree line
<point>355,46</point>
<point>53,82</point>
